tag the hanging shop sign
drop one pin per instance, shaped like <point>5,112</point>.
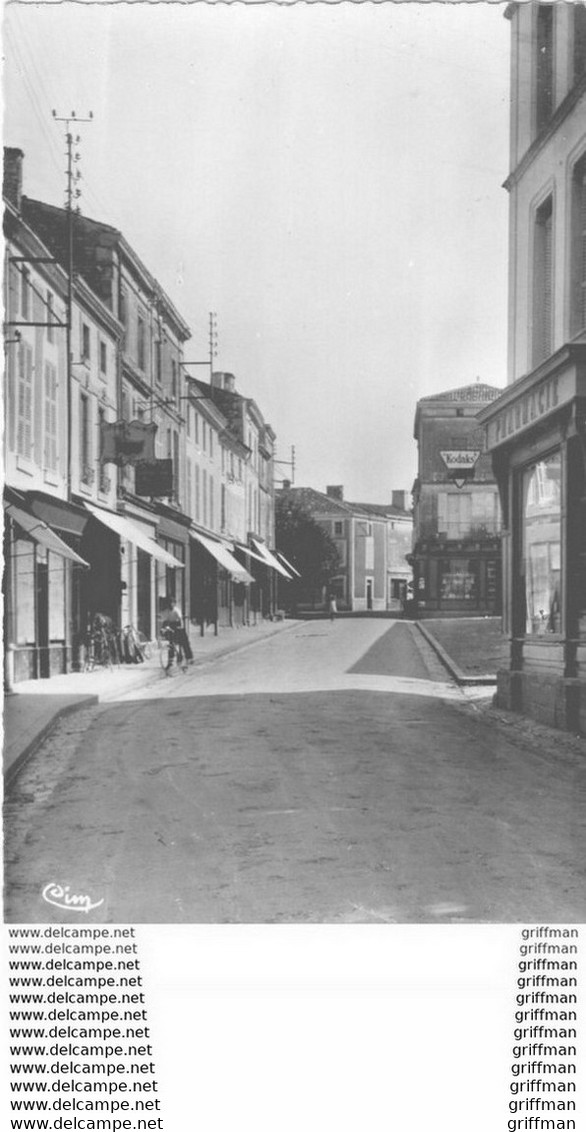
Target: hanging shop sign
<point>460,460</point>
<point>154,478</point>
<point>127,442</point>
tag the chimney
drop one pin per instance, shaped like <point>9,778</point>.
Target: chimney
<point>399,500</point>
<point>335,491</point>
<point>225,381</point>
<point>12,181</point>
<point>286,485</point>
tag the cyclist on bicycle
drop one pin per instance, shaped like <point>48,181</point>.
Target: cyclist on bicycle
<point>172,618</point>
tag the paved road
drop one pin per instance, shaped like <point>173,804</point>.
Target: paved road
<point>329,774</point>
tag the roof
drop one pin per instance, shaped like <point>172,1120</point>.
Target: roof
<point>478,391</point>
<point>478,394</point>
<point>319,503</point>
<point>383,510</point>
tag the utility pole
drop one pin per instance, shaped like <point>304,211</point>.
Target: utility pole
<point>213,340</point>
<point>71,194</point>
<point>289,464</point>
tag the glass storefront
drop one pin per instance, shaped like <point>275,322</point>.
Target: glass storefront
<point>541,543</point>
<point>459,580</point>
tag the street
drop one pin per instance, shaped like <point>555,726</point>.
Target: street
<point>329,774</point>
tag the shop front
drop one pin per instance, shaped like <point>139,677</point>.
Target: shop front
<point>41,574</point>
<point>536,433</point>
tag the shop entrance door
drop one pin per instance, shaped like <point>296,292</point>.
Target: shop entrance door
<point>43,619</point>
<point>143,592</point>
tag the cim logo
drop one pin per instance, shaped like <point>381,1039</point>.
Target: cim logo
<point>460,460</point>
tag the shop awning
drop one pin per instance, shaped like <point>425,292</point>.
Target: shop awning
<point>253,554</point>
<point>224,557</point>
<point>41,533</point>
<point>287,564</point>
<point>125,528</point>
<point>270,559</point>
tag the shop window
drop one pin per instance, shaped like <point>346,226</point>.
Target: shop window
<point>56,574</point>
<point>459,581</point>
<point>24,591</point>
<point>543,282</point>
<point>541,535</point>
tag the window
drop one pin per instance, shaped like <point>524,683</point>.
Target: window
<point>544,65</point>
<point>212,502</point>
<point>203,436</point>
<point>124,315</point>
<point>459,515</point>
<point>50,418</point>
<point>197,493</point>
<point>174,385</point>
<point>104,480</point>
<point>205,497</point>
<point>103,359</point>
<point>196,427</point>
<point>176,468</point>
<point>189,485</point>
<point>25,401</point>
<point>459,581</point>
<point>543,283</point>
<point>25,290</point>
<point>338,527</point>
<point>140,341</point>
<point>223,507</point>
<point>50,317</point>
<point>188,421</point>
<point>85,342</point>
<point>541,552</point>
<point>84,439</point>
<point>579,40</point>
<point>578,312</point>
<point>211,442</point>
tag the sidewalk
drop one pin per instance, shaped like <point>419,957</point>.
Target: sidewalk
<point>471,648</point>
<point>34,707</point>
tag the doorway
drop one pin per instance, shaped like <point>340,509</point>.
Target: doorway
<point>369,583</point>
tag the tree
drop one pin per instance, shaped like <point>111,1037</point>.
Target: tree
<point>309,548</point>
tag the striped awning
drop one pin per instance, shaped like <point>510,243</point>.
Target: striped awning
<point>224,557</point>
<point>36,529</point>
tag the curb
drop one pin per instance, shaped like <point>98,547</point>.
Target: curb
<point>459,676</point>
<point>23,756</point>
<point>221,654</point>
<point>88,700</point>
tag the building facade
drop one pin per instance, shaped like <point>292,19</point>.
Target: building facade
<point>536,431</point>
<point>129,483</point>
<point>372,541</point>
<point>456,534</point>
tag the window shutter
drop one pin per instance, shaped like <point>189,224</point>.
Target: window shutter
<point>442,513</point>
<point>547,287</point>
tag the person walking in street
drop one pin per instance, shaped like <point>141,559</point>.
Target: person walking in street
<point>172,616</point>
<point>332,606</point>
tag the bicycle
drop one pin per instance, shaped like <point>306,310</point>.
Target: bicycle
<point>101,647</point>
<point>135,647</point>
<point>170,652</point>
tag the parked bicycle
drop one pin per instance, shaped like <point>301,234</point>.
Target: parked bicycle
<point>171,654</point>
<point>134,646</point>
<point>101,646</point>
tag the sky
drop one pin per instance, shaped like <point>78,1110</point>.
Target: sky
<point>326,178</point>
